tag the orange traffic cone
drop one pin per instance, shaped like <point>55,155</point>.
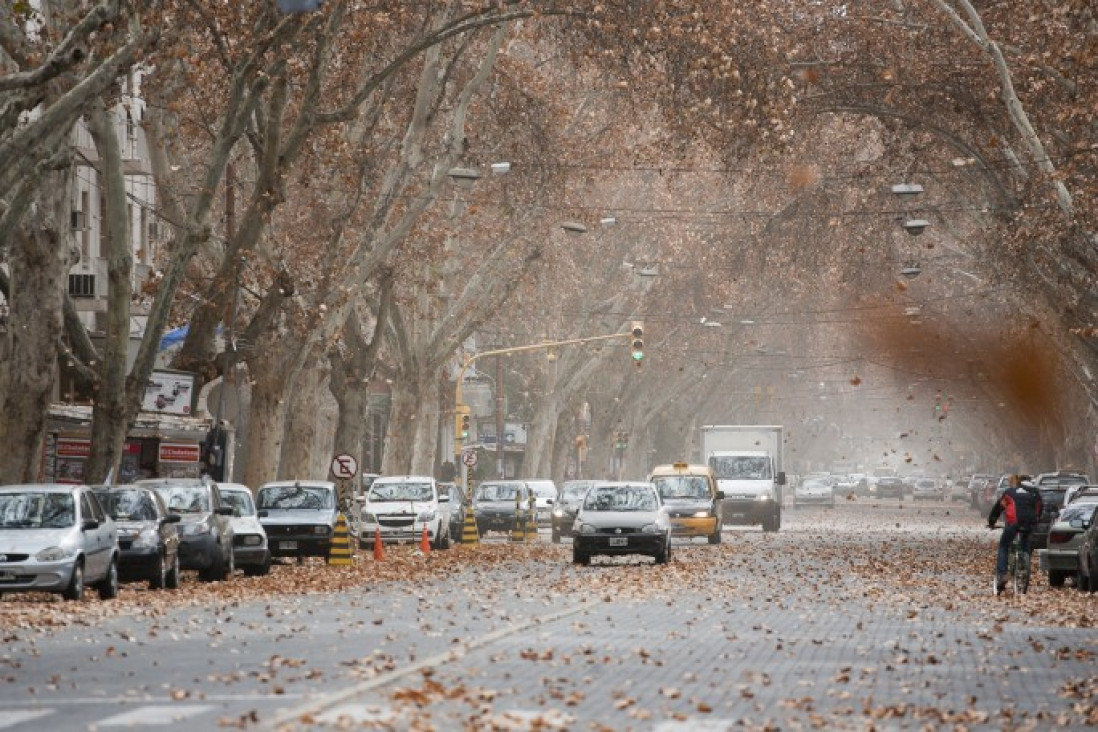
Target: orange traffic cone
<point>379,552</point>
<point>424,545</point>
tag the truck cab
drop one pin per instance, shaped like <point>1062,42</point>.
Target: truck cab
<point>752,488</point>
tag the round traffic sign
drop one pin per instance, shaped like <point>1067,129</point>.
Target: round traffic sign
<point>344,466</point>
<point>469,457</point>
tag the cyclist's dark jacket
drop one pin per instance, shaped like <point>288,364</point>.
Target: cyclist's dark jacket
<point>1019,505</point>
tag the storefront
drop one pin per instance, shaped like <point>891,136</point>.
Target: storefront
<point>159,445</point>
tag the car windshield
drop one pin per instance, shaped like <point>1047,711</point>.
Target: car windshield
<point>185,497</point>
<point>740,467</point>
<point>814,485</point>
<point>682,486</point>
<point>620,498</point>
<point>400,492</point>
<point>497,491</point>
<point>574,491</point>
<point>128,505</point>
<point>37,510</point>
<point>240,501</point>
<point>1052,498</point>
<point>295,496</point>
<point>543,490</point>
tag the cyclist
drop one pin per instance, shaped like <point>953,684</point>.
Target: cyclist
<point>1020,506</point>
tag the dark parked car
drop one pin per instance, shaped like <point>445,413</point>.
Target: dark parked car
<point>299,517</point>
<point>56,538</point>
<point>1086,577</point>
<point>890,486</point>
<point>205,528</point>
<point>618,518</point>
<point>495,503</point>
<point>148,534</point>
<point>567,506</point>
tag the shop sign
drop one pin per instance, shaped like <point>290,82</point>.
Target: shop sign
<point>169,392</point>
<point>172,452</point>
<point>73,447</point>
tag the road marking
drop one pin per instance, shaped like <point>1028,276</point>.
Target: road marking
<point>154,715</point>
<point>357,714</point>
<point>694,724</point>
<point>12,719</point>
<point>292,717</point>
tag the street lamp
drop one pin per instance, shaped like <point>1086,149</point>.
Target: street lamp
<point>573,227</point>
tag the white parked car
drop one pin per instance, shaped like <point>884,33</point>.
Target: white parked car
<point>814,492</point>
<point>56,538</point>
<point>544,492</point>
<point>400,508</point>
<point>250,549</point>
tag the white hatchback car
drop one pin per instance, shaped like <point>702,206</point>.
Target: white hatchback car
<point>544,493</point>
<point>403,507</point>
<point>56,538</point>
<point>250,549</point>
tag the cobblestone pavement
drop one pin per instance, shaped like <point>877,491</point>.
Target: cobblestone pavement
<point>870,616</point>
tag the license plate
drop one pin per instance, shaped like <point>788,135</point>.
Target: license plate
<point>738,515</point>
<point>287,545</point>
<point>619,541</point>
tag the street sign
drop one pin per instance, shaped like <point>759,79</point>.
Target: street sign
<point>469,458</point>
<point>344,466</point>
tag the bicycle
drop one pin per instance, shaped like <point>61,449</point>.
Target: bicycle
<point>1018,566</point>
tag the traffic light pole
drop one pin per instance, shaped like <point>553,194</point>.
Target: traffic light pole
<point>470,360</point>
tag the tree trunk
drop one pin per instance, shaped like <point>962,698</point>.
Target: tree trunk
<point>266,421</point>
<point>39,258</point>
<point>540,437</point>
<point>352,413</point>
<point>425,446</point>
<point>400,437</point>
<point>109,416</point>
<point>302,456</point>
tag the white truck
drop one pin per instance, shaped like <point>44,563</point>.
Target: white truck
<point>747,462</point>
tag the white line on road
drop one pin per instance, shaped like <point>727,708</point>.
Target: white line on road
<point>155,715</point>
<point>11,719</point>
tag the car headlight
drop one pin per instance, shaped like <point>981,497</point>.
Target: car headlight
<point>702,514</point>
<point>582,528</point>
<point>428,515</point>
<point>195,529</point>
<point>322,530</point>
<point>763,497</point>
<point>146,539</point>
<point>253,540</point>
<point>558,512</point>
<point>54,554</point>
<point>650,529</point>
<point>369,517</point>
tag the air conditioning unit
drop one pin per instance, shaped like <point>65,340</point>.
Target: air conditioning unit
<point>78,223</point>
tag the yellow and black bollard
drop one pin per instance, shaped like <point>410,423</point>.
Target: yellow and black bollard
<point>531,521</point>
<point>339,554</point>
<point>469,532</point>
<point>518,530</point>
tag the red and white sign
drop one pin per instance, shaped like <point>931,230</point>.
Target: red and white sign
<point>73,447</point>
<point>469,458</point>
<point>344,466</point>
<point>173,452</point>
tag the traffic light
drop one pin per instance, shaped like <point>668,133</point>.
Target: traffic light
<point>638,342</point>
<point>461,427</point>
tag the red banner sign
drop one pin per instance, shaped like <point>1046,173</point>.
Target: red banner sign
<point>171,452</point>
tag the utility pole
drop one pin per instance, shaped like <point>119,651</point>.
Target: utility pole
<point>500,466</point>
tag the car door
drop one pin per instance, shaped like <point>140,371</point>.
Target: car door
<point>98,542</point>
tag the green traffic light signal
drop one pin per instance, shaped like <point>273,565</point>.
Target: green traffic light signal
<point>638,342</point>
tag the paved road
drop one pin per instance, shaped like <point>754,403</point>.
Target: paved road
<point>868,615</point>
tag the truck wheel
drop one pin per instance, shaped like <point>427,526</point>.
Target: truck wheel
<point>1056,577</point>
<point>715,537</point>
<point>773,522</point>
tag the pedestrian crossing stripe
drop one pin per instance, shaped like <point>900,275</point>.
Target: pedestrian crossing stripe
<point>19,716</point>
<point>155,715</point>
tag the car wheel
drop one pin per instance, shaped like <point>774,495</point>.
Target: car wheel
<point>1089,583</point>
<point>555,535</point>
<point>443,542</point>
<point>171,579</point>
<point>580,557</point>
<point>75,590</point>
<point>216,570</point>
<point>1056,577</point>
<point>715,537</point>
<point>160,575</point>
<point>108,586</point>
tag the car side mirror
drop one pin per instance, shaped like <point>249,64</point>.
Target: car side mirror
<point>549,502</point>
<point>224,511</point>
<point>720,495</point>
<point>89,524</point>
<point>781,477</point>
<point>262,513</point>
<point>171,518</point>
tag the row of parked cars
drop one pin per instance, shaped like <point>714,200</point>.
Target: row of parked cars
<point>67,538</point>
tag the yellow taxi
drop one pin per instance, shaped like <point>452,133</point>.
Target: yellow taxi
<point>690,495</point>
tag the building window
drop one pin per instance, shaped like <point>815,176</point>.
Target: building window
<point>81,285</point>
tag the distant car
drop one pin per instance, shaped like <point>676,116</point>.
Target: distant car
<point>299,517</point>
<point>401,508</point>
<point>544,492</point>
<point>814,492</point>
<point>1061,558</point>
<point>566,506</point>
<point>926,489</point>
<point>619,518</point>
<point>250,548</point>
<point>890,486</point>
<point>495,504</point>
<point>205,531</point>
<point>1086,577</point>
<point>1079,491</point>
<point>56,538</point>
<point>690,497</point>
<point>148,534</point>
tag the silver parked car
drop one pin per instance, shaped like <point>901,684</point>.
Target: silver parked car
<point>56,538</point>
<point>250,550</point>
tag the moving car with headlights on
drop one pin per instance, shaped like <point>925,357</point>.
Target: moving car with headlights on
<point>299,517</point>
<point>567,506</point>
<point>619,518</point>
<point>250,549</point>
<point>148,534</point>
<point>691,499</point>
<point>926,489</point>
<point>205,530</point>
<point>56,538</point>
<point>401,508</point>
